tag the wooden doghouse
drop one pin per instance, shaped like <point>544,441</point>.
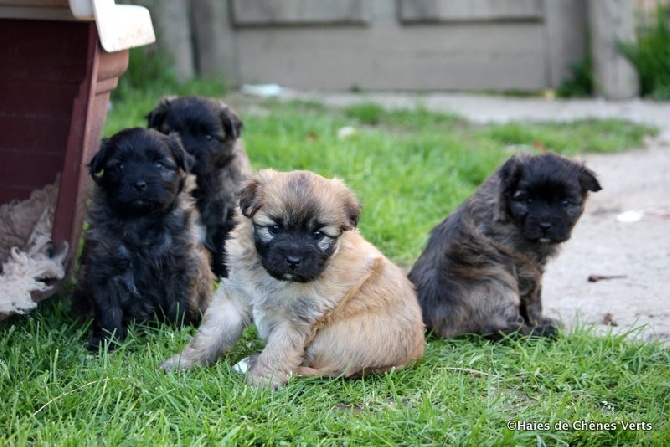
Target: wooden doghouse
<point>59,61</point>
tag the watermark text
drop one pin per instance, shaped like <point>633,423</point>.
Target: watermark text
<point>521,425</point>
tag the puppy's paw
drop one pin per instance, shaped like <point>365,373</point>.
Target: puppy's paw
<point>548,327</point>
<point>244,365</point>
<point>546,321</point>
<point>96,343</point>
<point>175,363</point>
<point>268,379</point>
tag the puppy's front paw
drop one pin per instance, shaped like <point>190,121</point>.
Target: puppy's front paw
<point>102,342</point>
<point>175,363</point>
<point>548,327</point>
<point>265,378</point>
<point>244,365</point>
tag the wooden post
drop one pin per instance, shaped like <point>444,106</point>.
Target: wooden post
<point>215,52</point>
<point>173,32</point>
<point>612,22</point>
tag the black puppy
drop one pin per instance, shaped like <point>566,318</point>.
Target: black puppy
<point>481,271</point>
<point>209,130</point>
<point>141,256</point>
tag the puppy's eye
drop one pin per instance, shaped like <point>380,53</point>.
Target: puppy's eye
<point>214,137</point>
<point>160,165</point>
<point>566,202</point>
<point>528,200</point>
<point>318,235</point>
<point>120,166</point>
<point>274,229</point>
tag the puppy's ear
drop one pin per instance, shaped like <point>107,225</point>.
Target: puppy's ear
<point>184,160</point>
<point>99,160</point>
<point>588,180</point>
<point>353,210</point>
<point>249,200</point>
<point>156,117</point>
<point>231,123</point>
<point>509,175</point>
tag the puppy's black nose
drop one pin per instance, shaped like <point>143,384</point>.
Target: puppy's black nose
<point>293,260</point>
<point>545,226</point>
<point>140,185</point>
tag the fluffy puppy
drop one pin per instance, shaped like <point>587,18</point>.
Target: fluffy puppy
<point>327,302</point>
<point>141,256</point>
<point>481,271</point>
<point>209,130</point>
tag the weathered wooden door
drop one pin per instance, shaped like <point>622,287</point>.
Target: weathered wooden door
<point>407,44</point>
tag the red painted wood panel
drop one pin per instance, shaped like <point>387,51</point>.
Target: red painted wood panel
<point>55,82</point>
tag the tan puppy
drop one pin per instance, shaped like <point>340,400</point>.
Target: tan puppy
<point>327,302</point>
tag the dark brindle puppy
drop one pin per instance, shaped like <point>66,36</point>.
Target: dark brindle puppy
<point>481,271</point>
<point>209,130</point>
<point>142,257</point>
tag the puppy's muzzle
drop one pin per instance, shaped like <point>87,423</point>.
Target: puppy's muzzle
<point>292,265</point>
<point>140,185</point>
<point>547,231</point>
<point>293,261</point>
<point>545,227</point>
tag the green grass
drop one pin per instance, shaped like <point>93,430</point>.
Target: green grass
<point>581,82</point>
<point>410,168</point>
<point>650,54</point>
<point>464,391</point>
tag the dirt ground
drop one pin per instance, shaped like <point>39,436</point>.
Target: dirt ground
<point>635,251</point>
<point>625,230</point>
